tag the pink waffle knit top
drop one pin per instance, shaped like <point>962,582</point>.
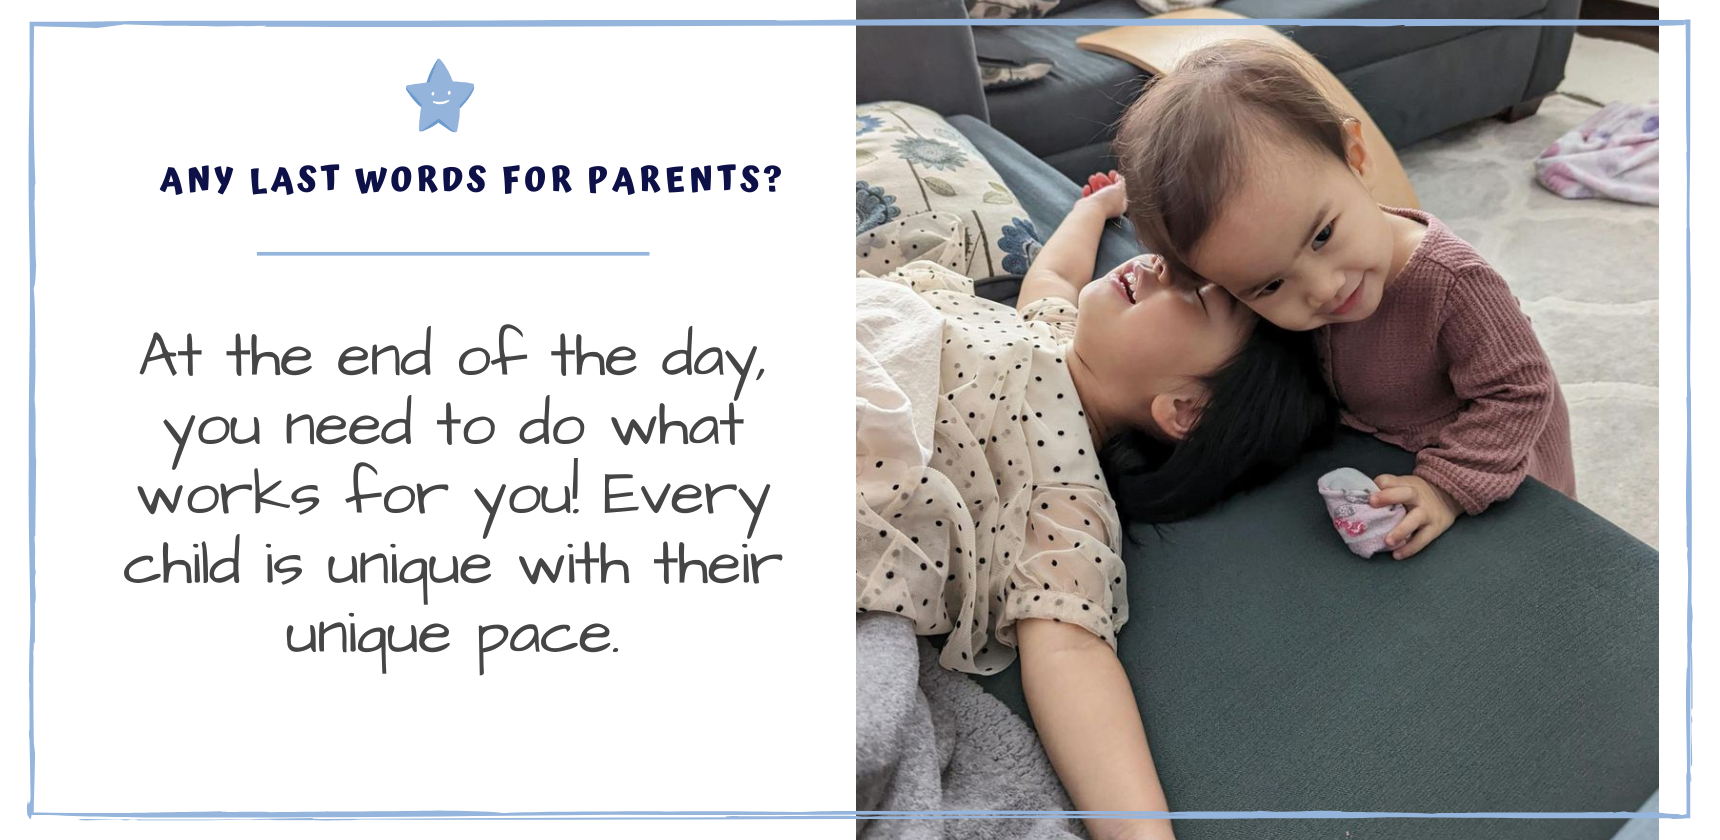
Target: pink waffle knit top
<point>1448,368</point>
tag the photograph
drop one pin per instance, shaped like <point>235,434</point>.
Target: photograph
<point>1258,417</point>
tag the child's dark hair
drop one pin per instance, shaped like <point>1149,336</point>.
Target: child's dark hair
<point>1264,408</point>
<point>1182,144</point>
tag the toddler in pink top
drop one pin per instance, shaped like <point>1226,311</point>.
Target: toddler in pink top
<point>1241,173</point>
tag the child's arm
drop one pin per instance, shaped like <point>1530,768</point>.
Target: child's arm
<point>1497,366</point>
<point>1065,264</point>
<point>1086,716</point>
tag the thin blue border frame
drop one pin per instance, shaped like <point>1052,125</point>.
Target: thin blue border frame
<point>30,804</point>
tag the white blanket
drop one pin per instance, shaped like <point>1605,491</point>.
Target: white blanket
<point>897,340</point>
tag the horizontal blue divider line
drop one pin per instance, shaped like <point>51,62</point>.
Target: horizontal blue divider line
<point>453,253</point>
<point>883,22</point>
<point>833,815</point>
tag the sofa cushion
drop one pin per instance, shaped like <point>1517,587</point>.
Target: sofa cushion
<point>1342,48</point>
<point>1075,104</point>
<point>1510,667</point>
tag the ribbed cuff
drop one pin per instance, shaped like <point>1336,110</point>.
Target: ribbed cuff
<point>1473,490</point>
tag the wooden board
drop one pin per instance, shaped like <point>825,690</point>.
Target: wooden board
<point>1156,49</point>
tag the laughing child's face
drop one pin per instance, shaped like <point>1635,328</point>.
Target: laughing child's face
<point>1144,336</point>
<point>1300,241</point>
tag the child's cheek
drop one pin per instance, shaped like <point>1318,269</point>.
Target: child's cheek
<point>1281,315</point>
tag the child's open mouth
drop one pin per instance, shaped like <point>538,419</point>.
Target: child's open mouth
<point>1127,279</point>
<point>1351,301</point>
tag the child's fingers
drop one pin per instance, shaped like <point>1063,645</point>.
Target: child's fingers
<point>1399,495</point>
<point>1417,543</point>
<point>1412,522</point>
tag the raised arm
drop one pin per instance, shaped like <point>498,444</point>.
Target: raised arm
<point>1065,264</point>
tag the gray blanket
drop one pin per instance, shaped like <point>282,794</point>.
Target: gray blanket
<point>929,739</point>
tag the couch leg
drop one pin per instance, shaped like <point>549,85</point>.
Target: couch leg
<point>1521,110</point>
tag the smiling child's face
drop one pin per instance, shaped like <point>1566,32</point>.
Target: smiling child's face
<point>1143,335</point>
<point>1301,241</point>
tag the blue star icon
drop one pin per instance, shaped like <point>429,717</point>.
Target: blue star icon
<point>439,98</point>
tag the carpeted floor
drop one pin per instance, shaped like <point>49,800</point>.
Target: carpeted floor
<point>1587,273</point>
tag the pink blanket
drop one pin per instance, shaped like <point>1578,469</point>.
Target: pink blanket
<point>1613,154</point>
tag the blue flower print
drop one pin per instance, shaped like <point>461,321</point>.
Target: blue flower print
<point>955,137</point>
<point>866,124</point>
<point>1020,244</point>
<point>872,207</point>
<point>932,154</point>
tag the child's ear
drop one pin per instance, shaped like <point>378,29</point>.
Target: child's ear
<point>1175,414</point>
<point>1355,151</point>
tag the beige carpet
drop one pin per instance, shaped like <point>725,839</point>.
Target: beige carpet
<point>1605,71</point>
<point>1587,275</point>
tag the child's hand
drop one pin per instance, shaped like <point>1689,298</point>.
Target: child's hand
<point>1105,191</point>
<point>1431,511</point>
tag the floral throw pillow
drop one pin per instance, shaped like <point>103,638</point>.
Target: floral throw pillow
<point>909,162</point>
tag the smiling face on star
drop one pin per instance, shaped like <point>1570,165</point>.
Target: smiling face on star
<point>439,98</point>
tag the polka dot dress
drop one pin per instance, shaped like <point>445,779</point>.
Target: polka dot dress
<point>1011,519</point>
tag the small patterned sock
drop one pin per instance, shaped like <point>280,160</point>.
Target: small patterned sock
<point>1363,527</point>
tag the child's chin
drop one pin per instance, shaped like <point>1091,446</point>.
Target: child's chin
<point>1359,312</point>
<point>1363,311</point>
<point>1312,322</point>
